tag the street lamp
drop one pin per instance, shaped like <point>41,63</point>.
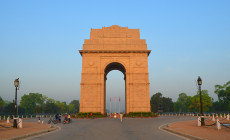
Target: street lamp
<point>199,81</point>
<point>16,84</point>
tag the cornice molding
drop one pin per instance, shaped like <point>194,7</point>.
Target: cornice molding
<point>114,51</point>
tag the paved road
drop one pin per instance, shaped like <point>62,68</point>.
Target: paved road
<point>113,129</point>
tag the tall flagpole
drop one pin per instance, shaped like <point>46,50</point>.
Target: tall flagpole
<point>115,103</point>
<point>110,106</point>
<point>119,105</point>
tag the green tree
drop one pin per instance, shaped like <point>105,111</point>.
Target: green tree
<point>33,103</point>
<point>2,103</point>
<point>206,101</point>
<point>180,104</point>
<point>156,102</point>
<point>62,107</point>
<point>8,108</point>
<point>159,103</point>
<point>223,93</point>
<point>188,103</point>
<point>167,104</point>
<point>50,106</point>
<point>74,106</point>
<point>195,103</point>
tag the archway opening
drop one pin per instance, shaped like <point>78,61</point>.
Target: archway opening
<point>115,88</point>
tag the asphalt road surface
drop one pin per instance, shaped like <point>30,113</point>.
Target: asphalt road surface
<point>113,129</point>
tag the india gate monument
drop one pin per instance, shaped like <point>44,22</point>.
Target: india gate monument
<point>114,48</point>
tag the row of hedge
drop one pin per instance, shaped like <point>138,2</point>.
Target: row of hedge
<point>141,114</point>
<point>99,115</point>
<point>88,115</point>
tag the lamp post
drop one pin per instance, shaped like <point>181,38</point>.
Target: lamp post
<point>16,83</point>
<point>199,81</point>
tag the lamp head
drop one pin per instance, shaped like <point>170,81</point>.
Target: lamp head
<point>16,82</point>
<point>199,81</point>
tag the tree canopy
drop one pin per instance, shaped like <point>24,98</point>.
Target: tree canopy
<point>161,104</point>
<point>181,105</point>
<point>223,93</point>
<point>186,103</point>
<point>74,106</point>
<point>38,103</point>
<point>33,103</point>
<point>2,103</point>
<point>206,101</point>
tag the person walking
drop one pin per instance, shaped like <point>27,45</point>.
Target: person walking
<point>91,115</point>
<point>69,117</point>
<point>121,115</point>
<point>66,117</point>
<point>59,118</point>
<point>56,117</point>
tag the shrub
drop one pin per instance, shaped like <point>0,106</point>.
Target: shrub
<point>73,115</point>
<point>88,114</point>
<point>138,114</point>
<point>155,115</point>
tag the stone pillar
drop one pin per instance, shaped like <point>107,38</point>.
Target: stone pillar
<point>213,117</point>
<point>8,120</point>
<point>199,121</point>
<point>218,127</point>
<point>19,123</point>
<point>228,117</point>
<point>4,117</point>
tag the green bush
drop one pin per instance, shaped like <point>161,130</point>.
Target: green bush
<point>73,115</point>
<point>88,114</point>
<point>138,114</point>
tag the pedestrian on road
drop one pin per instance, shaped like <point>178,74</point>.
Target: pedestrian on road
<point>56,117</point>
<point>91,115</point>
<point>69,117</point>
<point>66,117</point>
<point>59,118</point>
<point>39,119</point>
<point>121,115</point>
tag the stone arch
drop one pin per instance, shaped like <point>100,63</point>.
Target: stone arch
<point>114,66</point>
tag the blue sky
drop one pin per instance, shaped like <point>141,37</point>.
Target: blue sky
<point>39,42</point>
